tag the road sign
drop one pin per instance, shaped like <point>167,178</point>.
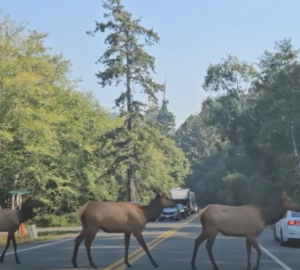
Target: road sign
<point>19,192</point>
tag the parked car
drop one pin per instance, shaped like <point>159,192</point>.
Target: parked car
<point>182,211</point>
<point>196,208</point>
<point>187,210</point>
<point>170,213</point>
<point>287,228</point>
<point>192,209</point>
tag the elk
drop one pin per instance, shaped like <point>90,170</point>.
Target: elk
<point>10,221</point>
<point>239,221</point>
<point>118,217</point>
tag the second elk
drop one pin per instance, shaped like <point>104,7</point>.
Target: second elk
<point>239,221</point>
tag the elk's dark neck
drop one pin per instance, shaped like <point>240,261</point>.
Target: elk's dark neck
<point>273,214</point>
<point>24,214</point>
<point>153,211</point>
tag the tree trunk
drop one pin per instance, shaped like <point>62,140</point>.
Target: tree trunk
<point>130,170</point>
<point>295,150</point>
<point>130,184</point>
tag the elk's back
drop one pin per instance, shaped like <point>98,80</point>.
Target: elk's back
<point>8,220</point>
<point>234,220</point>
<point>113,217</point>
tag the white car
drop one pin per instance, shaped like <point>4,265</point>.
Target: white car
<point>287,228</point>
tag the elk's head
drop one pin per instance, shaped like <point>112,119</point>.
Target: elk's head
<point>288,204</point>
<point>164,200</point>
<point>29,205</point>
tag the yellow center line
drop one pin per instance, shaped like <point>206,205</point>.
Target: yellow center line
<point>141,254</point>
<point>138,253</point>
<point>115,264</point>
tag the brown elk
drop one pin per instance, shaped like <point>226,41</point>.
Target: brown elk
<point>118,217</point>
<point>10,221</point>
<point>239,221</point>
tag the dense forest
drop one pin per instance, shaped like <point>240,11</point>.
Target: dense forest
<point>60,143</point>
<point>242,145</point>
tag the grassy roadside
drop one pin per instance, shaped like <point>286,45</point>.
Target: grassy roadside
<point>42,236</point>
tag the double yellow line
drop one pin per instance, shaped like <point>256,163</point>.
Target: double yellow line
<point>138,253</point>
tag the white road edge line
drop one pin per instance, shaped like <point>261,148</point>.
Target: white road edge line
<point>40,246</point>
<point>282,264</point>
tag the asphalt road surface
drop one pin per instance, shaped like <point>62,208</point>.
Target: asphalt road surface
<point>171,250</point>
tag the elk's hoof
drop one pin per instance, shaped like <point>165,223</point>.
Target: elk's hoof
<point>216,268</point>
<point>1,260</point>
<point>255,268</point>
<point>155,264</point>
<point>18,262</point>
<point>193,266</point>
<point>93,265</point>
<point>75,265</point>
<point>128,264</point>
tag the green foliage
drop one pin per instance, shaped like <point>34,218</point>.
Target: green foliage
<point>47,220</point>
<point>126,61</point>
<point>243,144</point>
<point>60,144</point>
<point>166,119</point>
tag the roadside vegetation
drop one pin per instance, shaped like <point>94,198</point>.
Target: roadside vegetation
<point>61,144</point>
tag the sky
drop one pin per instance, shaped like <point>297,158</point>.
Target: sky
<point>194,34</point>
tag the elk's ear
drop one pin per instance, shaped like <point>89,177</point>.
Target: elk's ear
<point>156,192</point>
<point>284,195</point>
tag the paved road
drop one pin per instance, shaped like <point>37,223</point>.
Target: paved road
<point>171,251</point>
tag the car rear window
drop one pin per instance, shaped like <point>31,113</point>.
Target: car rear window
<point>295,214</point>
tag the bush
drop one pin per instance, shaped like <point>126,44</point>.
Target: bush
<point>47,220</point>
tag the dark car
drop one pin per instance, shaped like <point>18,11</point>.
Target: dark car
<point>182,211</point>
<point>170,213</point>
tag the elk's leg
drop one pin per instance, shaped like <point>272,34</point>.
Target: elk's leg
<point>255,244</point>
<point>209,244</point>
<point>141,241</point>
<point>200,239</point>
<point>127,242</point>
<point>6,247</point>
<point>90,235</point>
<point>248,247</point>
<point>78,241</point>
<point>13,239</point>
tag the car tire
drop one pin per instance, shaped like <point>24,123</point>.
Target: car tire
<point>160,219</point>
<point>274,235</point>
<point>282,242</point>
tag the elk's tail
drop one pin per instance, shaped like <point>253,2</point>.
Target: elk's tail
<point>80,212</point>
<point>201,211</point>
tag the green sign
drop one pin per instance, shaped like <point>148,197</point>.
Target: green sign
<point>19,192</point>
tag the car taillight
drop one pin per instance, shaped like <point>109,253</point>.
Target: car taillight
<point>293,223</point>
